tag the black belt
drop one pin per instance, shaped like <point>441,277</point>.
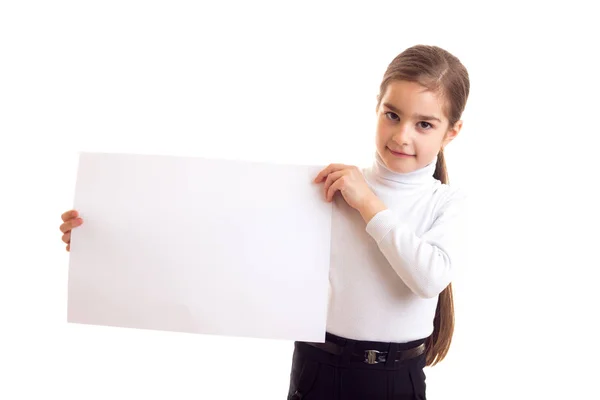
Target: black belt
<point>370,356</point>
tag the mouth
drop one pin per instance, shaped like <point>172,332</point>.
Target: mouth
<point>400,154</point>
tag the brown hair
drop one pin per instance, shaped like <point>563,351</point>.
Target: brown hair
<point>442,73</point>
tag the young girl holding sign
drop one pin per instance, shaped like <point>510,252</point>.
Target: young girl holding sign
<point>396,239</point>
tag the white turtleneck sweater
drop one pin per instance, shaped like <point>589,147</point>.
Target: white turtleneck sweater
<point>385,276</point>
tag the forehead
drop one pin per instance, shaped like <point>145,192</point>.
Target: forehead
<point>412,98</point>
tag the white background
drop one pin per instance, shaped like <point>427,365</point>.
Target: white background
<point>297,83</point>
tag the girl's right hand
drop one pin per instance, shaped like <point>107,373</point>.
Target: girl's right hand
<point>71,220</point>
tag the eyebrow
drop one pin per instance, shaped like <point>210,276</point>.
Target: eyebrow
<point>417,116</point>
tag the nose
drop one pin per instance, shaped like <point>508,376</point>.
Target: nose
<point>402,135</point>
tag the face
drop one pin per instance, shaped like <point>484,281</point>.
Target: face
<point>411,127</point>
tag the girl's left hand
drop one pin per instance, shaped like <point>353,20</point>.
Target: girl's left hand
<point>349,181</point>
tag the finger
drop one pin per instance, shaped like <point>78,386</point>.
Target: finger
<point>331,178</point>
<point>68,247</point>
<point>69,215</point>
<point>324,172</point>
<point>67,226</point>
<point>67,237</point>
<point>338,185</point>
<point>330,168</point>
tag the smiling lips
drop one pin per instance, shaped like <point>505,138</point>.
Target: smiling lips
<point>400,154</point>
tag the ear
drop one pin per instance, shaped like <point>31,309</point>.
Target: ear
<point>452,133</point>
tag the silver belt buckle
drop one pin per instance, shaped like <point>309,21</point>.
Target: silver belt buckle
<point>371,356</point>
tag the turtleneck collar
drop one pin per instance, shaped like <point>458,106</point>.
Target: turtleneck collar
<point>388,177</point>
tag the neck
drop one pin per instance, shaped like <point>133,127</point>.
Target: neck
<point>387,177</point>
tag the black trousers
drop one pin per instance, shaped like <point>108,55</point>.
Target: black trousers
<point>317,374</point>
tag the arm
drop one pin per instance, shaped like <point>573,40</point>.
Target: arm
<point>425,264</point>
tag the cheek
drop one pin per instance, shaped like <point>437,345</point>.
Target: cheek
<point>381,134</point>
<point>428,148</point>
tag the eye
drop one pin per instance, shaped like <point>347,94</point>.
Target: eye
<point>426,126</point>
<point>392,116</point>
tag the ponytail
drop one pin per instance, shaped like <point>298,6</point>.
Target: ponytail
<point>438,344</point>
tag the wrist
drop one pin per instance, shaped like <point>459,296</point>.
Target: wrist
<point>371,207</point>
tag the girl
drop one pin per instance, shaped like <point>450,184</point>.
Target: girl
<point>395,242</point>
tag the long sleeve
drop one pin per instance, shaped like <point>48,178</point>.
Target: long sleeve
<point>426,264</point>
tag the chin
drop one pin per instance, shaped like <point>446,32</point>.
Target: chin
<point>400,166</point>
<point>396,164</point>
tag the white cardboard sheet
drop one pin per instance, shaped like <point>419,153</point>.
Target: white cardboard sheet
<point>200,246</point>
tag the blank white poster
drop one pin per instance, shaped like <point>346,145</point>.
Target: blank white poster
<point>200,246</point>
